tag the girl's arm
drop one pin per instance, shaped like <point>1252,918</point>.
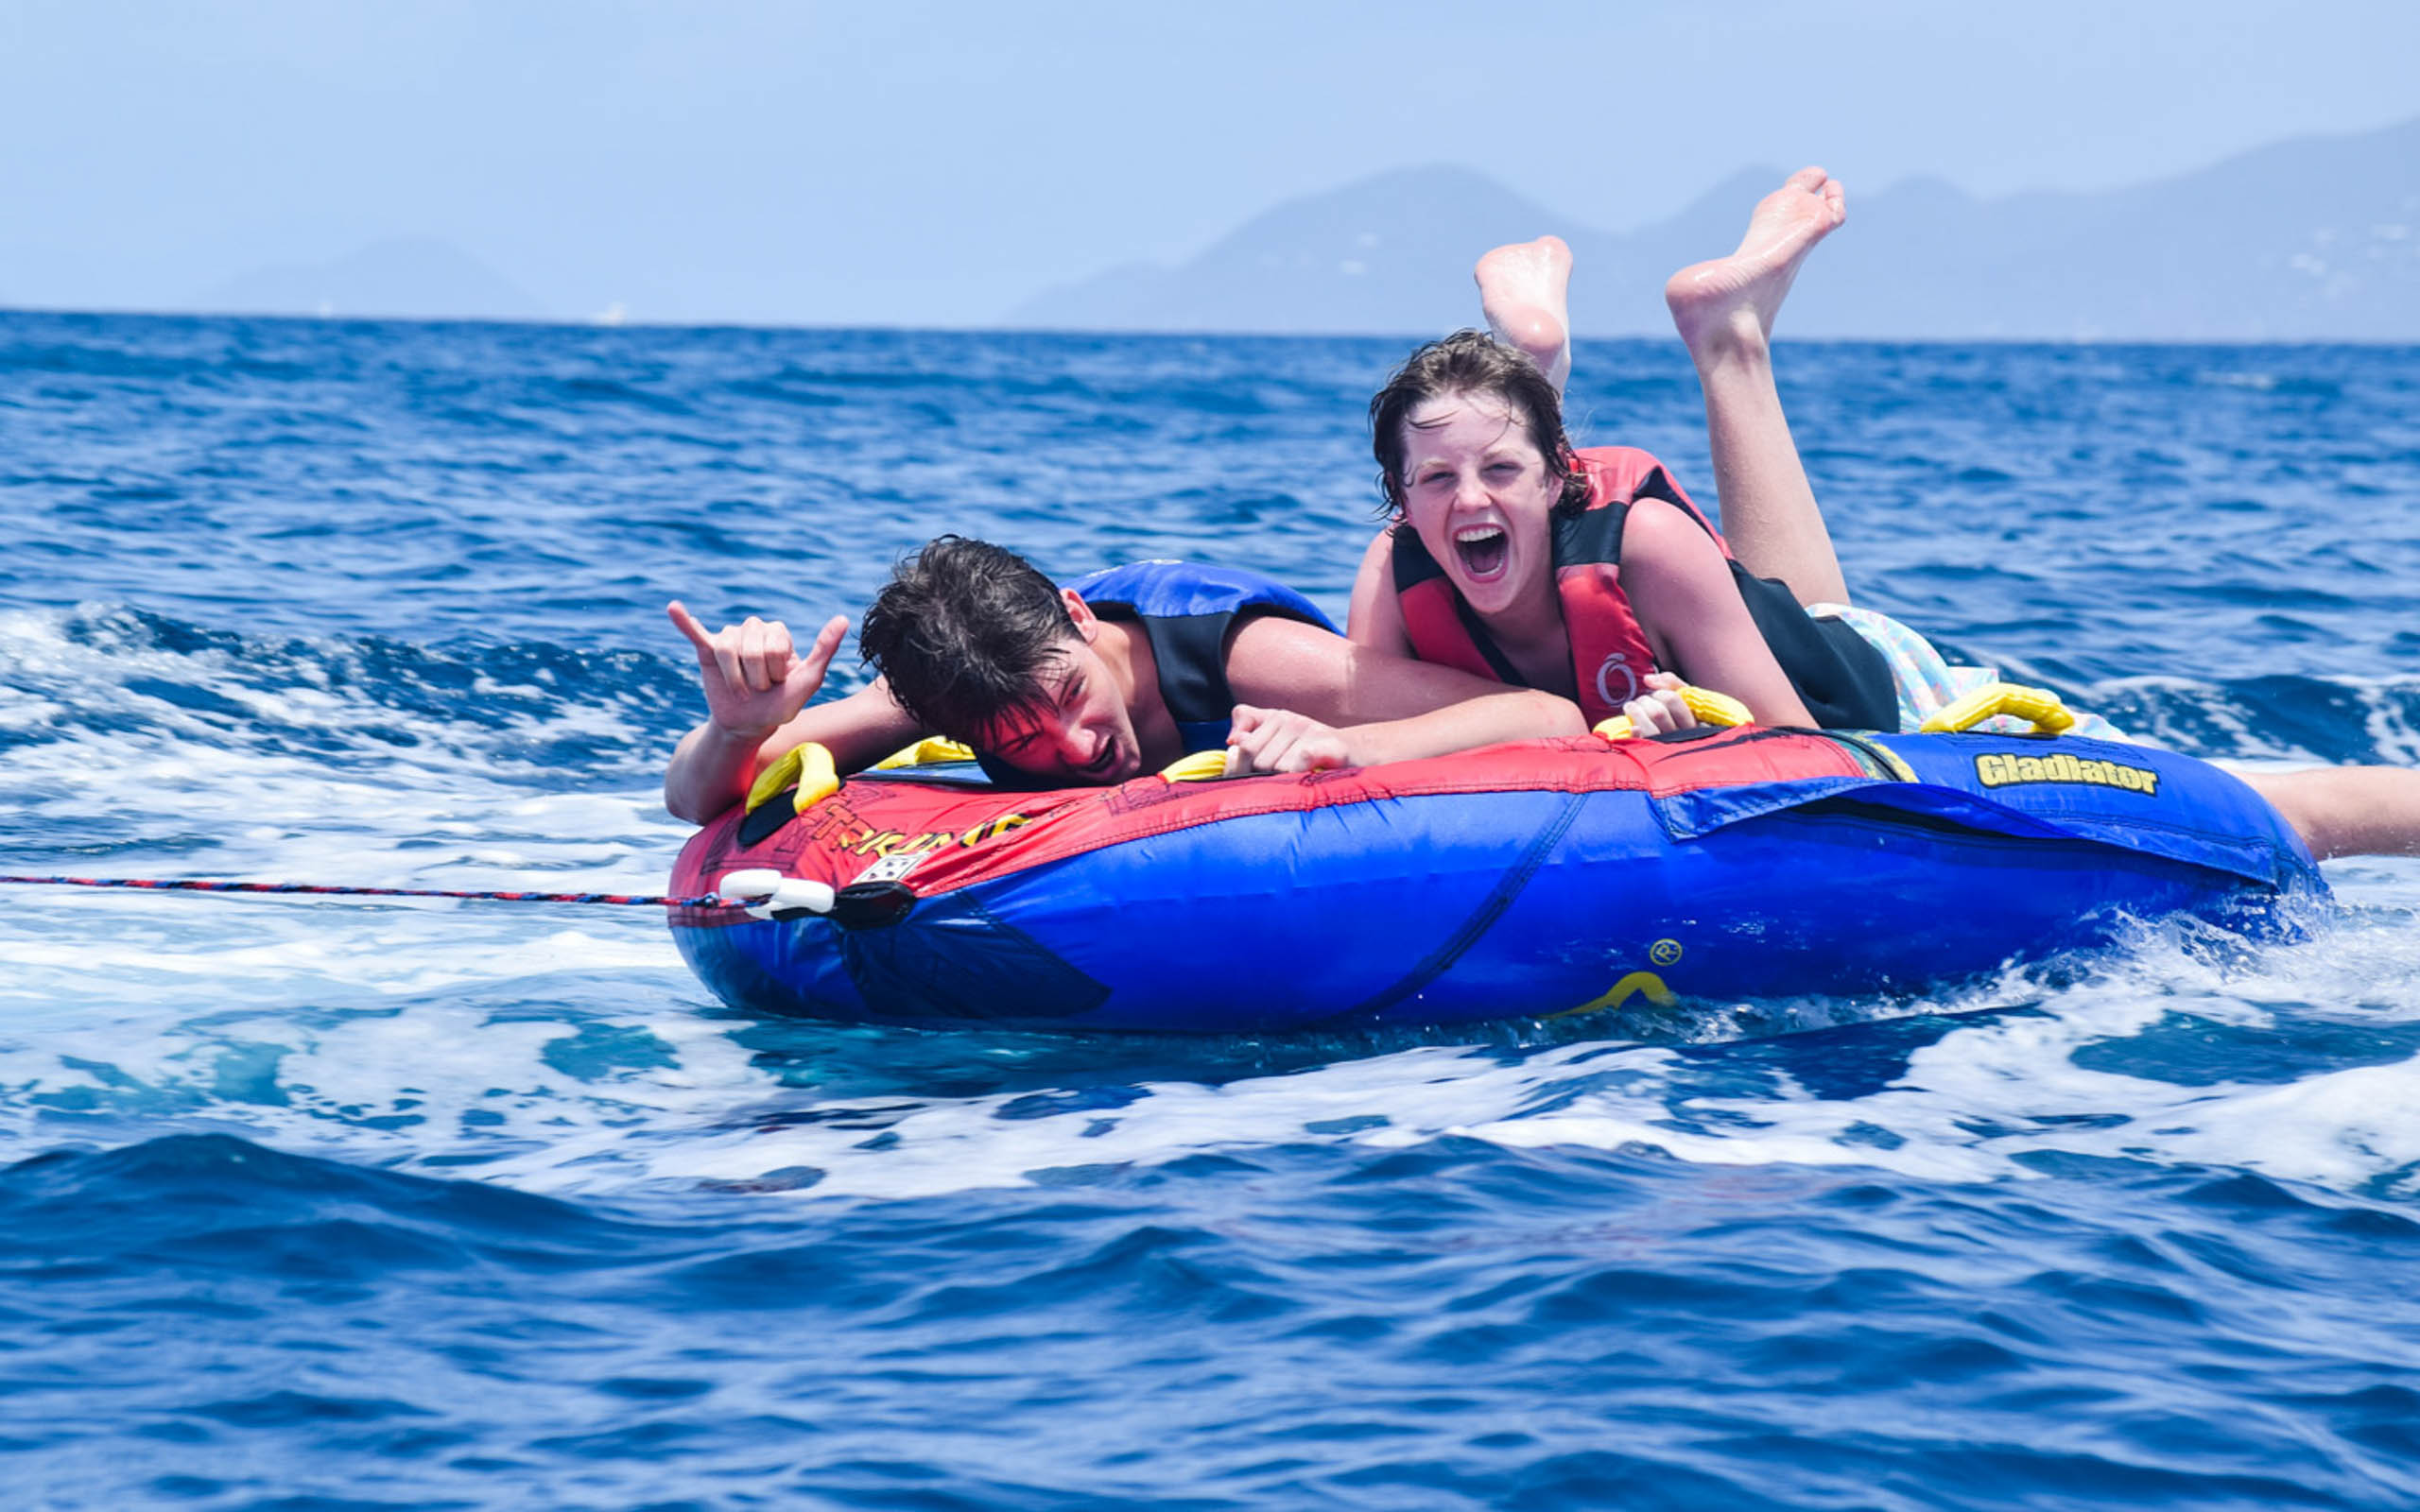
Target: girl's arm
<point>1306,699</point>
<point>1696,622</point>
<point>1375,618</point>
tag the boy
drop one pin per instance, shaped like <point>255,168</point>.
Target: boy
<point>1118,675</point>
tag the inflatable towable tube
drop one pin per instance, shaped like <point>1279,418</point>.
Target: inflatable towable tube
<point>1539,879</point>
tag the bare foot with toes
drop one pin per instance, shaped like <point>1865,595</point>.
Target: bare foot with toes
<point>1727,305</point>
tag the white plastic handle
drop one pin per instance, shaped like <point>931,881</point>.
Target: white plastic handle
<point>773,892</point>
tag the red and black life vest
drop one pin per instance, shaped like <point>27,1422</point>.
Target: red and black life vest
<point>1844,682</point>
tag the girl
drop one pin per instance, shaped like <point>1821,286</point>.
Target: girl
<point>1592,576</point>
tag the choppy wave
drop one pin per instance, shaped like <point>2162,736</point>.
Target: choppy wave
<point>409,1203</point>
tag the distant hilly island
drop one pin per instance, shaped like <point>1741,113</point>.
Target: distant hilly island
<point>414,277</point>
<point>2314,239</point>
<point>2309,240</point>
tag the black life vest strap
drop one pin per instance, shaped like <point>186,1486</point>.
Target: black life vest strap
<point>1498,661</point>
<point>1190,651</point>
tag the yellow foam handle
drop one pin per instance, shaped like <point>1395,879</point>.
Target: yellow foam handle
<point>929,751</point>
<point>1202,767</point>
<point>1719,710</point>
<point>805,766</point>
<point>2040,705</point>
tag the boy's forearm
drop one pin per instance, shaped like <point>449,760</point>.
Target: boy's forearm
<point>713,768</point>
<point>710,771</point>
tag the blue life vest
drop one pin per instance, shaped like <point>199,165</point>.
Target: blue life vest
<point>1185,610</point>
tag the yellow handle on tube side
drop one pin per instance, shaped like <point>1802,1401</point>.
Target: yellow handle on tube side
<point>1719,710</point>
<point>1200,767</point>
<point>807,766</point>
<point>2039,705</point>
<point>931,750</point>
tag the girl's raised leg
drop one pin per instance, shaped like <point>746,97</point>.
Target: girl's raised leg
<point>1724,309</point>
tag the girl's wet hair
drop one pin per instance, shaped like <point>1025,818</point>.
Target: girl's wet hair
<point>966,633</point>
<point>1471,362</point>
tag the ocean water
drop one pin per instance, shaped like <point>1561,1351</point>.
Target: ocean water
<point>310,1204</point>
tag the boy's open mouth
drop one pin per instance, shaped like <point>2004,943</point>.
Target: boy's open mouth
<point>1482,549</point>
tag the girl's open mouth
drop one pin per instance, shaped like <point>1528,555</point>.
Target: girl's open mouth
<point>1482,549</point>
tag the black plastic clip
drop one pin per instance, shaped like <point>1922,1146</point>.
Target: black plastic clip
<point>872,904</point>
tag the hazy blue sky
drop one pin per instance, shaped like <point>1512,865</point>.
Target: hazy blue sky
<point>934,164</point>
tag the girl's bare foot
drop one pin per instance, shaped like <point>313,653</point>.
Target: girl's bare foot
<point>1522,292</point>
<point>1728,304</point>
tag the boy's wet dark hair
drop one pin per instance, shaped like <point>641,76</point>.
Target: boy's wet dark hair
<point>1471,362</point>
<point>965,632</point>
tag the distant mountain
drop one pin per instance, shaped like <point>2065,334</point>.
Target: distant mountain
<point>415,277</point>
<point>2314,239</point>
<point>1388,254</point>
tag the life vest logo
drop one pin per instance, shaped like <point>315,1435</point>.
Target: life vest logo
<point>2001,770</point>
<point>1618,662</point>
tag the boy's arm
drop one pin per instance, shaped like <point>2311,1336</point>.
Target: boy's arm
<point>1288,676</point>
<point>756,688</point>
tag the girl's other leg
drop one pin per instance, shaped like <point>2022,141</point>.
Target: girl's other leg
<point>1523,292</point>
<point>2347,810</point>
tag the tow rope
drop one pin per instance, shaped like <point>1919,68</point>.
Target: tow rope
<point>201,885</point>
<point>759,892</point>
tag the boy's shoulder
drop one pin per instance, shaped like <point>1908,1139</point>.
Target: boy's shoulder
<point>1163,588</point>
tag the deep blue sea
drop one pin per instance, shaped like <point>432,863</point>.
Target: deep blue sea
<point>311,1204</point>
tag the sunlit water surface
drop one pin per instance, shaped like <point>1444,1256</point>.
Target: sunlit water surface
<point>347,1206</point>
